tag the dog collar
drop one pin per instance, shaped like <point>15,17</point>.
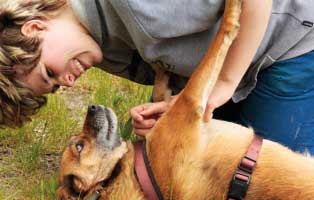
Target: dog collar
<point>144,172</point>
<point>242,177</point>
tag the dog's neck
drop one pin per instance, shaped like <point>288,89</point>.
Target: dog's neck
<point>125,185</point>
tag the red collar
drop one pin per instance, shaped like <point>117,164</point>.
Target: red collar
<point>242,176</point>
<point>144,173</point>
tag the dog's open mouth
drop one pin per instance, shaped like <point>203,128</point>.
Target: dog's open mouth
<point>103,122</point>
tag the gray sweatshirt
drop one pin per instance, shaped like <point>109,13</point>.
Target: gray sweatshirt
<point>133,34</point>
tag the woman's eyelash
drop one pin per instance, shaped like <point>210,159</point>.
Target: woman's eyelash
<point>50,73</point>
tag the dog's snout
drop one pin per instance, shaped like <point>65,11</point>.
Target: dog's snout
<point>96,116</point>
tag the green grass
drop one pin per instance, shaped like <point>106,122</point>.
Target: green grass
<point>29,156</point>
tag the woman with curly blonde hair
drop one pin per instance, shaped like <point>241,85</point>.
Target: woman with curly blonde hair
<point>18,102</point>
<point>21,32</point>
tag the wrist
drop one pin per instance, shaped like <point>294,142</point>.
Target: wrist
<point>221,93</point>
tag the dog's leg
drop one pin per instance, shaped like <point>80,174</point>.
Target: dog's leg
<point>161,91</point>
<point>205,76</point>
<point>177,132</point>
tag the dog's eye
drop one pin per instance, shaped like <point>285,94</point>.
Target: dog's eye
<point>79,147</point>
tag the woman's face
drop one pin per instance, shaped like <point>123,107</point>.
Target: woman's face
<point>67,52</point>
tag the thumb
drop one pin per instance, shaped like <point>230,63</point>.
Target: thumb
<point>208,114</point>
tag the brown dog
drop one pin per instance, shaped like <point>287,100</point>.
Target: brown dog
<point>190,159</point>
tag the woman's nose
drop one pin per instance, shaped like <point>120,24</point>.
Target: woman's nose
<point>67,80</point>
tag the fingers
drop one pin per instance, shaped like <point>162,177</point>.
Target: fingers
<point>155,108</point>
<point>135,112</point>
<point>143,127</point>
<point>143,124</point>
<point>145,116</point>
<point>141,132</point>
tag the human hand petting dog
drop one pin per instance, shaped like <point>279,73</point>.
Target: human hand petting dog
<point>146,115</point>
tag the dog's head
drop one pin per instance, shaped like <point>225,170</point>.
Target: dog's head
<point>91,157</point>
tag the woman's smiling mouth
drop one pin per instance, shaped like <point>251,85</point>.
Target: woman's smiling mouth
<point>79,67</point>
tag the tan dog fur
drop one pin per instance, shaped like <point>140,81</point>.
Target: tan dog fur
<point>192,159</point>
<point>161,91</point>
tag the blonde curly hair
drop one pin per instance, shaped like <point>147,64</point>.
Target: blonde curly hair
<point>17,102</point>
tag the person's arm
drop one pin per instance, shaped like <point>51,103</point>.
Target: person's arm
<point>253,23</point>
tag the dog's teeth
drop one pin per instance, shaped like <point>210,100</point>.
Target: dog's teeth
<point>79,65</point>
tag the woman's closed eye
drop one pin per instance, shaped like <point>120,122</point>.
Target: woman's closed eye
<point>50,73</point>
<point>46,73</point>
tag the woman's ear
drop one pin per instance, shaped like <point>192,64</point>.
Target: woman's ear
<point>34,27</point>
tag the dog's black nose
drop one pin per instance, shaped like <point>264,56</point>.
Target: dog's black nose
<point>92,108</point>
